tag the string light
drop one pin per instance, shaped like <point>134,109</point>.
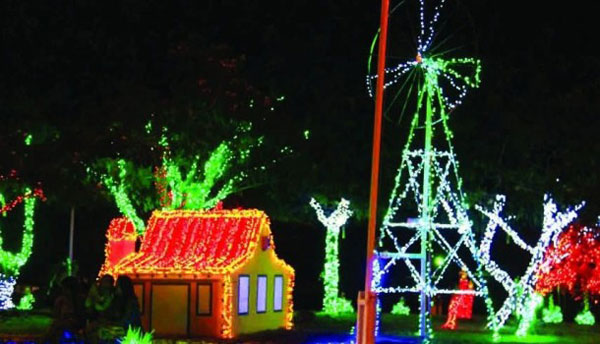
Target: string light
<point>136,336</point>
<point>520,290</point>
<point>333,304</point>
<point>528,312</point>
<point>7,286</point>
<point>572,261</point>
<point>400,308</point>
<point>28,139</point>
<point>121,237</point>
<point>552,314</point>
<point>120,190</point>
<point>11,263</point>
<point>26,301</point>
<point>440,208</point>
<point>585,317</point>
<point>214,243</point>
<point>192,189</point>
<point>461,305</point>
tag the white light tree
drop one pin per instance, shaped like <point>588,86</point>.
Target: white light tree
<point>521,298</point>
<point>333,303</point>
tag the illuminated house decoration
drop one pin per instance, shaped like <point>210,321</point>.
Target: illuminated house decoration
<point>204,273</point>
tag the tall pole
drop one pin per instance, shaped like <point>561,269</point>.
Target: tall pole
<point>71,233</point>
<point>366,329</point>
<point>426,221</point>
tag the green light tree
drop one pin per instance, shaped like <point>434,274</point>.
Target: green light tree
<point>179,181</point>
<point>11,263</point>
<point>333,304</point>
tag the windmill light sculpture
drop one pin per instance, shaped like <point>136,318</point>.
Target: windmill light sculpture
<point>431,181</point>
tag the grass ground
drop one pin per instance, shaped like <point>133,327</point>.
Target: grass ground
<point>315,328</point>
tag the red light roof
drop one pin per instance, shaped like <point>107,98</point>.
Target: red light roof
<point>196,242</point>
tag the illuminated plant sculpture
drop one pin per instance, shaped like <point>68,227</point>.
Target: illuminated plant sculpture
<point>573,262</point>
<point>11,263</point>
<point>136,336</point>
<point>400,308</point>
<point>27,300</point>
<point>193,190</point>
<point>521,291</point>
<point>333,304</point>
<point>553,313</point>
<point>179,182</point>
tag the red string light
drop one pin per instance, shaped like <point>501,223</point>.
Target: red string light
<point>37,192</point>
<point>461,305</point>
<point>572,262</point>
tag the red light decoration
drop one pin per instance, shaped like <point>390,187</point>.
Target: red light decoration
<point>195,242</point>
<point>461,305</point>
<point>572,262</point>
<point>121,237</point>
<point>37,192</point>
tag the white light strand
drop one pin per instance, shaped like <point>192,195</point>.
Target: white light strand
<point>7,286</point>
<point>521,291</point>
<point>445,200</point>
<point>337,218</point>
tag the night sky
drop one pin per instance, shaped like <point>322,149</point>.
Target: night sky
<point>84,77</point>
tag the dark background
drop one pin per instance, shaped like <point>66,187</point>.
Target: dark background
<point>84,77</point>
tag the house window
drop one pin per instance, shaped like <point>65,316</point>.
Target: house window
<point>261,294</point>
<point>204,299</point>
<point>243,292</point>
<point>278,294</point>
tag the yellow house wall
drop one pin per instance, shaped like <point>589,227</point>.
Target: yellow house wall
<point>262,263</point>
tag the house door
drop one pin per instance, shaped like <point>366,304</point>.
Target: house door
<point>170,309</point>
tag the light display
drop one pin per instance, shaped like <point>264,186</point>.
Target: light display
<point>227,313</point>
<point>189,192</point>
<point>120,190</point>
<point>213,242</point>
<point>553,313</point>
<point>193,190</point>
<point>572,261</point>
<point>520,291</point>
<point>136,336</point>
<point>528,315</point>
<point>461,305</point>
<point>333,304</point>
<point>2,203</point>
<point>400,308</point>
<point>11,263</point>
<point>428,181</point>
<point>121,238</point>
<point>28,139</point>
<point>26,301</point>
<point>7,286</point>
<point>585,317</point>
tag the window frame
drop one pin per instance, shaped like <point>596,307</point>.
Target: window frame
<point>275,292</point>
<point>266,294</point>
<point>247,295</point>
<point>210,297</point>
